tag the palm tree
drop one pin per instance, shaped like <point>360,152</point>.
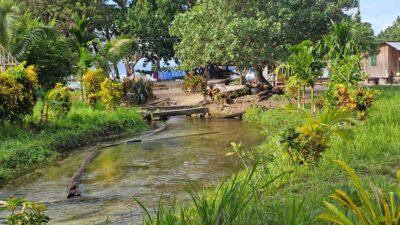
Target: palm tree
<point>8,16</point>
<point>111,53</point>
<point>302,69</point>
<point>82,39</point>
<point>10,19</point>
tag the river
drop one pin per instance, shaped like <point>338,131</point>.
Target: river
<point>144,170</point>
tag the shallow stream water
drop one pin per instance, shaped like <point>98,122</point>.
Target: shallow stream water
<point>144,170</point>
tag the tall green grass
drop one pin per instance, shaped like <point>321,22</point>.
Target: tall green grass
<point>23,146</point>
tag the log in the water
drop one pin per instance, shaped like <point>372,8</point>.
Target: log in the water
<point>230,116</point>
<point>73,186</point>
<point>178,112</point>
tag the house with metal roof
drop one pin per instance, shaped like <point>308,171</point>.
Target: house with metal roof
<point>385,64</point>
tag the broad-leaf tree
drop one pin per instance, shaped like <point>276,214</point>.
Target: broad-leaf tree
<point>391,33</point>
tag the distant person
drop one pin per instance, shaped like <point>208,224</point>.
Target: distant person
<point>391,76</point>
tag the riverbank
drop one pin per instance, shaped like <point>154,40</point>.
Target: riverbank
<point>277,192</point>
<point>24,147</point>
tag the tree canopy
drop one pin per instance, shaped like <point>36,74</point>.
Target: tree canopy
<point>391,33</point>
<point>252,33</point>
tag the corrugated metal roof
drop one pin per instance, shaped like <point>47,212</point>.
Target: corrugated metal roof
<point>395,45</point>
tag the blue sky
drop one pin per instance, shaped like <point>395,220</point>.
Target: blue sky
<point>380,13</point>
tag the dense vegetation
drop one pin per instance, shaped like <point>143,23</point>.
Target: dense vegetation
<point>24,146</point>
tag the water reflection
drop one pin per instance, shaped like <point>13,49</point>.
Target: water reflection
<point>144,170</point>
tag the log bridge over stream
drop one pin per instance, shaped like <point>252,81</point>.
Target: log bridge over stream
<point>164,112</point>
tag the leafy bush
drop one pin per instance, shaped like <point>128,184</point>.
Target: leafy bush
<point>10,97</point>
<point>364,206</point>
<point>111,93</point>
<point>306,143</point>
<point>192,84</point>
<point>17,92</point>
<point>59,101</point>
<point>24,212</point>
<point>140,89</point>
<point>92,83</point>
<point>354,99</point>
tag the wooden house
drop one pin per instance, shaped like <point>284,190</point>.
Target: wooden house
<point>6,60</point>
<point>379,67</point>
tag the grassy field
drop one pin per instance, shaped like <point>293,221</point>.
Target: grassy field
<point>22,147</point>
<point>277,192</point>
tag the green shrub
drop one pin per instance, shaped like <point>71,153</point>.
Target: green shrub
<point>111,93</point>
<point>17,92</point>
<point>354,99</point>
<point>92,83</point>
<point>59,100</point>
<point>192,84</point>
<point>306,143</point>
<point>139,88</point>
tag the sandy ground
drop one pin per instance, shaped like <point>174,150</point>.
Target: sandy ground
<point>175,96</point>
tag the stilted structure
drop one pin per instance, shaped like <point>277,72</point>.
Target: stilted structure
<point>6,59</point>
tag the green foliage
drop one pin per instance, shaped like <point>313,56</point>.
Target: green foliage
<point>391,33</point>
<point>92,84</point>
<point>23,147</point>
<point>306,143</point>
<point>111,54</point>
<point>139,88</point>
<point>234,201</point>
<point>346,70</point>
<point>217,32</point>
<point>59,101</point>
<point>149,21</point>
<point>194,83</point>
<point>18,86</point>
<point>24,212</point>
<point>347,38</point>
<point>365,206</point>
<point>357,100</point>
<point>302,69</point>
<point>111,94</point>
<point>53,58</point>
<point>10,97</point>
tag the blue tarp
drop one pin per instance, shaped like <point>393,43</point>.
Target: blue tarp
<point>170,74</point>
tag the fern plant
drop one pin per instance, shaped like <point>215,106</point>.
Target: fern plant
<point>366,206</point>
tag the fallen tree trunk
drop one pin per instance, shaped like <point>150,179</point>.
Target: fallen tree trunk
<point>73,185</point>
<point>229,116</point>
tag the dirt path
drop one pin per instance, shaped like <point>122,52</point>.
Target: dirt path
<point>175,96</point>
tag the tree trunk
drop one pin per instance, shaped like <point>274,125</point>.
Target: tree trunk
<point>259,75</point>
<point>299,96</point>
<point>41,121</point>
<point>304,97</point>
<point>116,71</point>
<point>312,100</point>
<point>158,68</point>
<point>81,81</point>
<point>127,67</point>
